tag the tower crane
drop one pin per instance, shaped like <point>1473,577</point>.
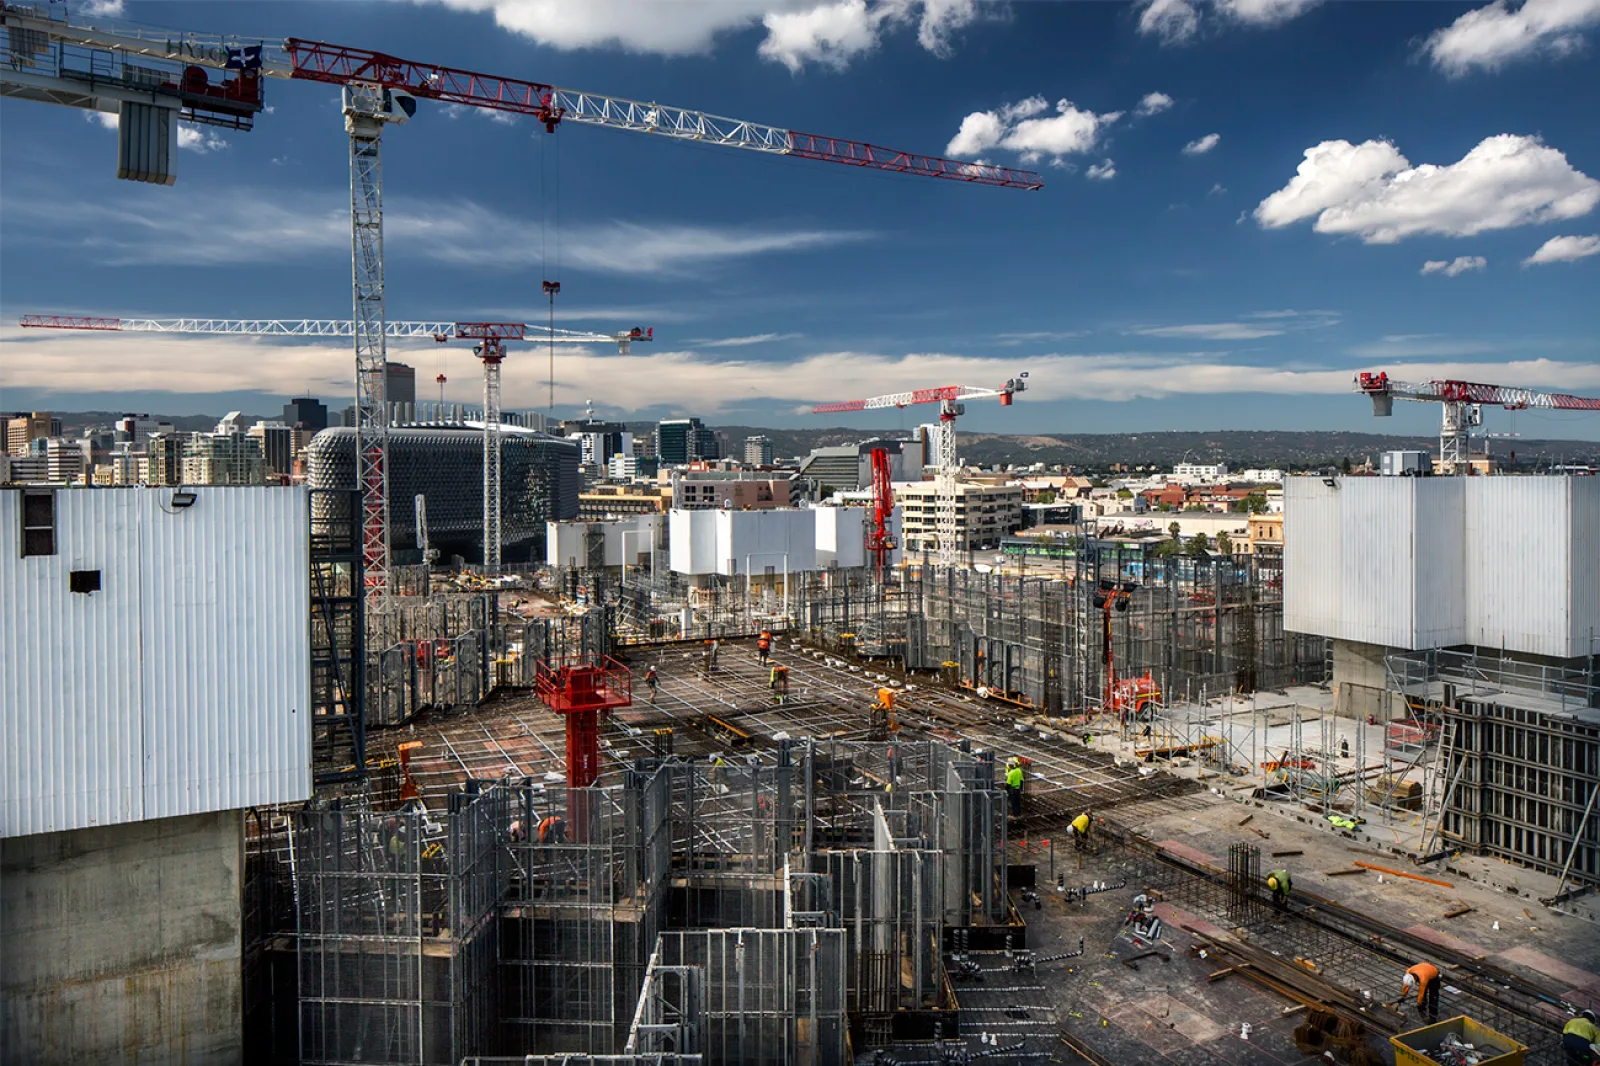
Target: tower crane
<point>377,90</point>
<point>950,400</point>
<point>491,338</point>
<point>1462,405</point>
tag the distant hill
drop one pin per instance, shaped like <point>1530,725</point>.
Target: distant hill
<point>1239,448</point>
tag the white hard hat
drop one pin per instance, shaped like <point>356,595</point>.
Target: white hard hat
<point>1410,979</point>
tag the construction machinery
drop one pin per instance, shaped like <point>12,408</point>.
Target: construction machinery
<point>1462,405</point>
<point>59,61</point>
<point>950,399</point>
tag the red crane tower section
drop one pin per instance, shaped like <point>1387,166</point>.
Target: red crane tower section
<point>583,692</point>
<point>880,538</point>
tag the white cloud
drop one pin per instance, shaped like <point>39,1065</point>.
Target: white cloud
<point>97,9</point>
<point>1264,12</point>
<point>1424,346</point>
<point>1211,331</point>
<point>1202,145</point>
<point>1174,21</point>
<point>118,363</point>
<point>746,342</point>
<point>1103,171</point>
<point>288,225</point>
<point>1452,267</point>
<point>194,138</point>
<point>1565,250</point>
<point>1026,129</point>
<point>1217,189</point>
<point>1491,36</point>
<point>1153,104</point>
<point>1178,21</point>
<point>829,33</point>
<point>1374,192</point>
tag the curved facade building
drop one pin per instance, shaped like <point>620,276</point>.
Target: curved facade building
<point>539,483</point>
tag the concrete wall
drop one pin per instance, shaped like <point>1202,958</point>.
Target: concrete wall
<point>122,944</point>
<point>1358,683</point>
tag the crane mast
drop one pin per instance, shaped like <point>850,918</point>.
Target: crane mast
<point>947,529</point>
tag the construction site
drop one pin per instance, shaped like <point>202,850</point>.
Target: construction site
<point>771,787</point>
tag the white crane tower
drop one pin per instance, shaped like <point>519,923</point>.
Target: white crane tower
<point>951,406</point>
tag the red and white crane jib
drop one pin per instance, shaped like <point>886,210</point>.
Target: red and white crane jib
<point>312,327</point>
<point>552,105</point>
<point>934,395</point>
<point>1511,398</point>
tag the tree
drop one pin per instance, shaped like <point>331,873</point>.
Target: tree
<point>1164,507</point>
<point>1047,496</point>
<point>1344,465</point>
<point>1167,549</point>
<point>1256,503</point>
<point>1224,544</point>
<point>1176,530</point>
<point>1124,494</point>
<point>1195,507</point>
<point>1198,546</point>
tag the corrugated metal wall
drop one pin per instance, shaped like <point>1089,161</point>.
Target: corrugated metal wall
<point>1500,562</point>
<point>183,685</point>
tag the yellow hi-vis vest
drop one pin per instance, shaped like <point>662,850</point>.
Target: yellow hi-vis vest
<point>1014,777</point>
<point>1080,824</point>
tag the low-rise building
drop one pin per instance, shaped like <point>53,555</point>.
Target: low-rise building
<point>615,501</point>
<point>1266,534</point>
<point>984,514</point>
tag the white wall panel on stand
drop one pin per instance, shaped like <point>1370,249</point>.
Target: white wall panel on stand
<point>183,685</point>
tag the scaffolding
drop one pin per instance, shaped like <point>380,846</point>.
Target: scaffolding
<point>754,911</point>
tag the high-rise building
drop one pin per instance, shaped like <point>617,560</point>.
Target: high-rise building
<point>685,440</point>
<point>277,448</point>
<point>67,460</point>
<point>309,413</point>
<point>223,459</point>
<point>399,383</point>
<point>163,459</point>
<point>24,428</point>
<point>133,429</point>
<point>758,451</point>
<point>598,440</point>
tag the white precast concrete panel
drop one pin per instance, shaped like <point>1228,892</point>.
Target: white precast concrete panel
<point>1376,568</point>
<point>1583,631</point>
<point>842,536</point>
<point>70,754</point>
<point>782,539</point>
<point>1312,558</point>
<point>1440,585</point>
<point>183,685</point>
<point>692,542</point>
<point>567,543</point>
<point>563,543</point>
<point>225,608</point>
<point>1519,532</point>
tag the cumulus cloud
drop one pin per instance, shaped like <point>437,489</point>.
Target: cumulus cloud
<point>1372,191</point>
<point>114,363</point>
<point>1489,37</point>
<point>1103,171</point>
<point>1565,250</point>
<point>96,9</point>
<point>1178,21</point>
<point>1029,130</point>
<point>829,33</point>
<point>1452,267</point>
<point>285,225</point>
<point>1202,145</point>
<point>1153,104</point>
<point>193,138</point>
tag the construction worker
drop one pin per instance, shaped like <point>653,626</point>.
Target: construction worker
<point>779,683</point>
<point>1278,884</point>
<point>1424,979</point>
<point>1581,1040</point>
<point>719,770</point>
<point>1080,831</point>
<point>1014,785</point>
<point>553,830</point>
<point>651,681</point>
<point>764,646</point>
<point>517,831</point>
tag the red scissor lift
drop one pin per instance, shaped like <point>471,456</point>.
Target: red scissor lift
<point>582,691</point>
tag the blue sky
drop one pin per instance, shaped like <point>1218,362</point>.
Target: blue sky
<point>1245,202</point>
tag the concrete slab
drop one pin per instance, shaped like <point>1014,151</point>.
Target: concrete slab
<point>1539,962</point>
<point>1446,941</point>
<point>1184,851</point>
